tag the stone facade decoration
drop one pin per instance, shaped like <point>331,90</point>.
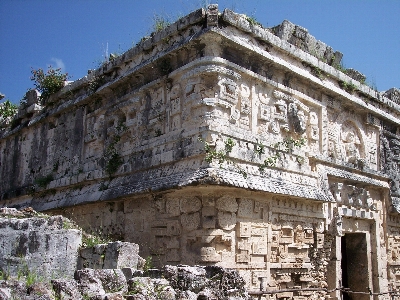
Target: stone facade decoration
<point>219,142</point>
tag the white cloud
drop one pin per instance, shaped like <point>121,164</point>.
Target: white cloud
<point>58,64</point>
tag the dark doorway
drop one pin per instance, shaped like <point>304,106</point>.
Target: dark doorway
<point>355,274</point>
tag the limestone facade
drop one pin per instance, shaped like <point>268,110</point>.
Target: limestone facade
<point>219,142</point>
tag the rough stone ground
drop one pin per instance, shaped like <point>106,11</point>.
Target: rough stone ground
<point>168,283</point>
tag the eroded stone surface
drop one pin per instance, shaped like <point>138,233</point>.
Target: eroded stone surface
<point>40,244</point>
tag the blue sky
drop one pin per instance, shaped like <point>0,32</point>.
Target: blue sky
<point>76,34</point>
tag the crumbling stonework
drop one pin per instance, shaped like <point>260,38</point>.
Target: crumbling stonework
<point>168,283</point>
<point>219,142</point>
<point>42,246</point>
<point>117,255</point>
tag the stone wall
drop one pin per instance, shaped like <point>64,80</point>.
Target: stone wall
<point>44,246</point>
<point>219,142</point>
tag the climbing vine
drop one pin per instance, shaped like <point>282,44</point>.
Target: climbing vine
<point>113,159</point>
<point>221,156</point>
<point>287,145</point>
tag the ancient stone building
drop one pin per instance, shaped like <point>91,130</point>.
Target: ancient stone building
<point>217,141</point>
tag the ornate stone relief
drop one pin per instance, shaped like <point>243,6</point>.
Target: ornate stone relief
<point>352,146</point>
<point>228,91</point>
<point>156,112</point>
<point>393,251</point>
<point>313,132</point>
<point>174,101</point>
<point>282,113</point>
<point>352,142</point>
<point>245,97</point>
<point>336,225</point>
<point>352,196</point>
<point>390,156</point>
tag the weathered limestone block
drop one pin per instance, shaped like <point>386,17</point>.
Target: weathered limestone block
<point>113,280</point>
<point>186,277</point>
<point>356,75</point>
<point>114,255</point>
<point>186,282</point>
<point>393,94</point>
<point>66,289</point>
<point>143,286</point>
<point>88,283</point>
<point>190,204</point>
<point>300,37</point>
<point>39,243</point>
<point>40,290</point>
<point>227,204</point>
<point>12,289</point>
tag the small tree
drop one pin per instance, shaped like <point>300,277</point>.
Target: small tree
<point>48,83</point>
<point>7,109</point>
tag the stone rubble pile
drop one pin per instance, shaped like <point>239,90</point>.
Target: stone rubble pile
<point>168,283</point>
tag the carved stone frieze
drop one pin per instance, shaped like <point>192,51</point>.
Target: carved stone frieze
<point>352,143</point>
<point>352,196</point>
<point>390,156</point>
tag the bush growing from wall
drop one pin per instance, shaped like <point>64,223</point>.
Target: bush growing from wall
<point>49,82</point>
<point>7,109</point>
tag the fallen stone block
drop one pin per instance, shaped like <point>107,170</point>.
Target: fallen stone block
<point>141,285</point>
<point>40,290</point>
<point>89,284</point>
<point>17,289</point>
<point>115,255</point>
<point>113,280</point>
<point>114,296</point>
<point>186,277</point>
<point>66,289</point>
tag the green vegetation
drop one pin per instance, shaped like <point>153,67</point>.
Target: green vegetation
<point>347,86</point>
<point>287,145</point>
<point>253,21</point>
<point>8,109</point>
<point>113,158</point>
<point>44,181</point>
<point>148,263</point>
<point>69,224</point>
<point>95,83</point>
<point>91,240</point>
<point>160,22</point>
<point>32,278</point>
<point>222,155</point>
<point>4,274</point>
<point>49,82</point>
<point>317,72</point>
<point>259,148</point>
<point>340,67</point>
